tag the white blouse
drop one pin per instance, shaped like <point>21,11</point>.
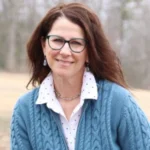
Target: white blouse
<point>47,95</point>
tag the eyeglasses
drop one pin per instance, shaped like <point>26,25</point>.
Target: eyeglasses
<point>76,45</point>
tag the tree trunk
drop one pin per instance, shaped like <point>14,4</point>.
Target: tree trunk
<point>10,58</point>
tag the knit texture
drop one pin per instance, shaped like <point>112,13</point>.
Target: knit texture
<point>113,122</point>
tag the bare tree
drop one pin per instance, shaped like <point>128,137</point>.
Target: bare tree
<point>10,22</point>
<point>126,23</point>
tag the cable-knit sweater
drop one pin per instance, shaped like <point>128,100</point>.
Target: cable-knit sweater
<point>113,122</point>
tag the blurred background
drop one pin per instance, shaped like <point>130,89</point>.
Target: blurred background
<point>125,22</point>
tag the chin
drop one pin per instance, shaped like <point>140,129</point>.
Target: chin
<point>62,73</point>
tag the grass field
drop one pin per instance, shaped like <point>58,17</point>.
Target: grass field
<point>14,85</point>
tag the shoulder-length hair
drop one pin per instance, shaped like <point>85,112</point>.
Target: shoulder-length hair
<point>103,62</point>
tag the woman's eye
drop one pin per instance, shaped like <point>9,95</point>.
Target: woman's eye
<point>58,40</point>
<point>76,43</point>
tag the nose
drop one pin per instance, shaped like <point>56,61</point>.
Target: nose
<point>65,50</point>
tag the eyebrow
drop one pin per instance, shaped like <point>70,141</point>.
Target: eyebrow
<point>65,38</point>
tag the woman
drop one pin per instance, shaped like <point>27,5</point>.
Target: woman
<point>82,102</point>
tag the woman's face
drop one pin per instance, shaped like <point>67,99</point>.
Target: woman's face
<point>64,62</point>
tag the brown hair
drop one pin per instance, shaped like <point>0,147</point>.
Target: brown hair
<point>103,62</point>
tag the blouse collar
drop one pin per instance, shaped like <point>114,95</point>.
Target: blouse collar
<point>47,94</point>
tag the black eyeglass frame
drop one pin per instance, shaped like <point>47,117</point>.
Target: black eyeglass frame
<point>66,41</point>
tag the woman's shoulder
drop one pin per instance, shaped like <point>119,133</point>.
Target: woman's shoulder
<point>27,98</point>
<point>117,96</point>
<point>119,102</point>
<point>33,93</point>
<point>113,90</point>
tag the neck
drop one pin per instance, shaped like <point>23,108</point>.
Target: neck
<point>58,95</point>
<point>67,88</point>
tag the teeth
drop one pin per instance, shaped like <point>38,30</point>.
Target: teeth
<point>64,61</point>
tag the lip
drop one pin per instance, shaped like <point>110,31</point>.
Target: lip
<point>64,61</point>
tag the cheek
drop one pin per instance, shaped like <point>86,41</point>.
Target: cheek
<point>52,53</point>
<point>81,61</point>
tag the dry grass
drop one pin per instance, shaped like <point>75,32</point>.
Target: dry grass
<point>14,85</point>
<point>11,87</point>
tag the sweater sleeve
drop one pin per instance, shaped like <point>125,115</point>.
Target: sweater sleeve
<point>19,136</point>
<point>134,128</point>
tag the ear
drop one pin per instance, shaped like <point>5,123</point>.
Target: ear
<point>43,44</point>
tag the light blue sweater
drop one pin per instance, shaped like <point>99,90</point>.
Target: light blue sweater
<point>113,122</point>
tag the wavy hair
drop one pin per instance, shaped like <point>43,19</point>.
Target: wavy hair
<point>103,61</point>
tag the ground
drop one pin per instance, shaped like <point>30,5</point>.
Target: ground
<point>14,85</point>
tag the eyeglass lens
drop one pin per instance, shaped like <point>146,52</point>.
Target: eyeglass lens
<point>57,43</point>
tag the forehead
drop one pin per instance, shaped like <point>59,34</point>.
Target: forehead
<point>64,27</point>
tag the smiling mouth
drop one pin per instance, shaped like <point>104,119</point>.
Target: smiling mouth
<point>64,61</point>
